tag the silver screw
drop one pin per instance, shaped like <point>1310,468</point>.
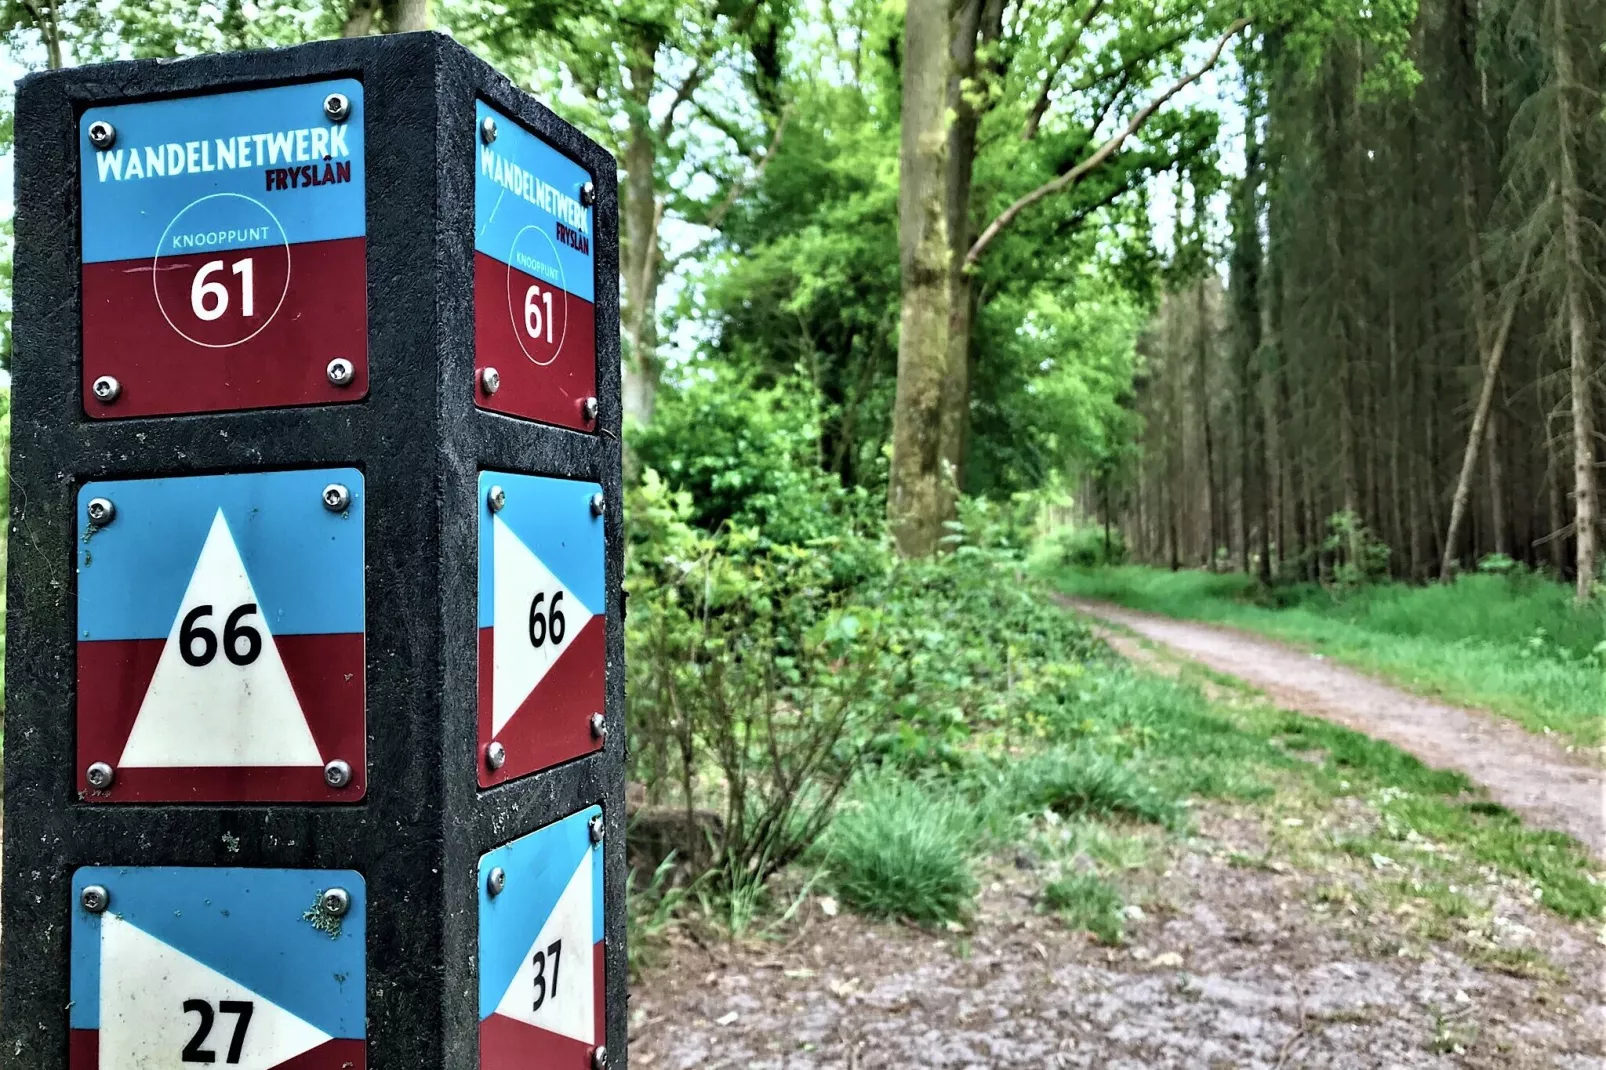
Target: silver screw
<point>337,774</point>
<point>95,898</point>
<point>101,511</point>
<point>106,389</point>
<point>588,409</point>
<point>588,194</point>
<point>337,106</point>
<point>599,728</point>
<point>496,881</point>
<point>496,498</point>
<point>102,135</point>
<point>490,380</point>
<point>488,130</point>
<point>335,902</point>
<point>596,827</point>
<point>598,504</point>
<point>100,776</point>
<point>599,1059</point>
<point>341,371</point>
<point>336,497</point>
<point>495,756</point>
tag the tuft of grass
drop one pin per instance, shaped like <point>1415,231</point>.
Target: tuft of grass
<point>896,849</point>
<point>1515,644</point>
<point>1081,782</point>
<point>1088,902</point>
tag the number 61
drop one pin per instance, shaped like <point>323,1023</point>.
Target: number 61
<point>534,317</point>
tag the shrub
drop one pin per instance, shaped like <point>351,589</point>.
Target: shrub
<point>1087,548</point>
<point>1089,903</point>
<point>900,851</point>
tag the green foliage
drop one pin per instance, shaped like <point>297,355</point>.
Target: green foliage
<point>1086,547</point>
<point>1090,903</point>
<point>899,849</point>
<point>1362,557</point>
<point>1082,782</point>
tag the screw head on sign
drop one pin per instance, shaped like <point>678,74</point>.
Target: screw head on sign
<point>100,776</point>
<point>588,194</point>
<point>341,371</point>
<point>599,728</point>
<point>496,497</point>
<point>336,497</point>
<point>490,380</point>
<point>335,902</point>
<point>106,389</point>
<point>599,1059</point>
<point>588,410</point>
<point>496,881</point>
<point>101,511</point>
<point>598,504</point>
<point>597,829</point>
<point>496,756</point>
<point>488,130</point>
<point>95,898</point>
<point>337,774</point>
<point>102,135</point>
<point>337,106</point>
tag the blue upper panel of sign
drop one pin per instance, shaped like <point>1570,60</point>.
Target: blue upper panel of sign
<point>255,926</point>
<point>305,563</point>
<point>553,518</point>
<point>538,867</point>
<point>226,171</point>
<point>527,210</point>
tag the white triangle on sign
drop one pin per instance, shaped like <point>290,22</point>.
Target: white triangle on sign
<point>517,663</point>
<point>562,982</point>
<point>219,713</point>
<point>144,985</point>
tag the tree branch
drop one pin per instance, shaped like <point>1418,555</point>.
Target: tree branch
<point>1034,118</point>
<point>1104,151</point>
<point>737,188</point>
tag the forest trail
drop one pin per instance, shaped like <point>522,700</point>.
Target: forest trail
<point>1529,774</point>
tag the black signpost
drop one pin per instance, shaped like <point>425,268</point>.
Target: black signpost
<point>315,657</point>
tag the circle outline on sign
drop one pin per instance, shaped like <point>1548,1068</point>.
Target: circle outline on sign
<point>156,260</point>
<point>563,288</point>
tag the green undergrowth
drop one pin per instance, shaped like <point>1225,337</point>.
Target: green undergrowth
<point>1515,644</point>
<point>1120,771</point>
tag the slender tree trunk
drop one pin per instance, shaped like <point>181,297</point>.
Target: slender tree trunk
<point>915,494</point>
<point>407,16</point>
<point>643,213</point>
<point>1578,326</point>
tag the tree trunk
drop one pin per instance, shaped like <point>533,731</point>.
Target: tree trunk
<point>915,493</point>
<point>1580,371</point>
<point>407,16</point>
<point>976,24</point>
<point>643,214</point>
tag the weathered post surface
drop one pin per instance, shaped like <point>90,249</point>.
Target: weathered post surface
<point>315,668</point>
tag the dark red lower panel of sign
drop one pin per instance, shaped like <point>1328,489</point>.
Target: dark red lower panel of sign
<point>546,374</point>
<point>327,673</point>
<point>155,349</point>
<point>83,1053</point>
<point>506,1044</point>
<point>553,724</point>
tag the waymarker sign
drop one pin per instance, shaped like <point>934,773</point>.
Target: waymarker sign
<point>315,657</point>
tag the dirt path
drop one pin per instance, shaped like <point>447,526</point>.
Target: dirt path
<point>1529,774</point>
<point>1234,967</point>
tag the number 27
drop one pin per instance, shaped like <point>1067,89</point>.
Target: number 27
<point>241,1009</point>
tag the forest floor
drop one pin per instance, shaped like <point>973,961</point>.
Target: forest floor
<point>1236,959</point>
<point>1262,938</point>
<point>1531,775</point>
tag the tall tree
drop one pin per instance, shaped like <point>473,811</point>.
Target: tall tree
<point>915,494</point>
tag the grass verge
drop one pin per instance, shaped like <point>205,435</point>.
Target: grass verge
<point>1515,645</point>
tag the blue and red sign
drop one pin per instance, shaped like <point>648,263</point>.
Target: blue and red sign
<point>220,638</point>
<point>258,969</point>
<point>542,996</point>
<point>534,277</point>
<point>542,622</point>
<point>224,251</point>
